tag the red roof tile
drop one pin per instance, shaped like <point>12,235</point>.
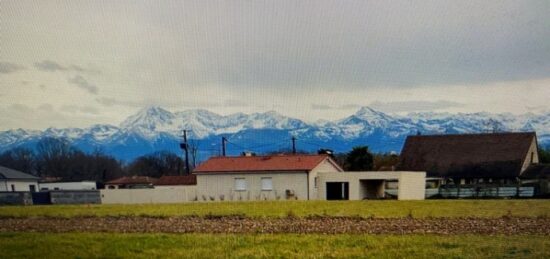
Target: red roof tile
<point>133,180</point>
<point>262,163</point>
<point>177,180</point>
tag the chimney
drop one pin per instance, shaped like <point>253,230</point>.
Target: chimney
<point>248,153</point>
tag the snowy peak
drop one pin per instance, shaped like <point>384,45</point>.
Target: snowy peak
<point>149,122</point>
<point>148,118</point>
<point>367,118</point>
<point>155,128</point>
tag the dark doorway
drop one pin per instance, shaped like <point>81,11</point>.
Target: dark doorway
<point>338,191</point>
<point>40,198</point>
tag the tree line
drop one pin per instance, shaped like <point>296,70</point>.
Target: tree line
<point>57,159</point>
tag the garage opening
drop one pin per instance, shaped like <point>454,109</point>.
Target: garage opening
<point>372,189</point>
<point>337,191</point>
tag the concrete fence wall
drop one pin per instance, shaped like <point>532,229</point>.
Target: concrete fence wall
<point>75,197</point>
<point>15,198</point>
<point>174,194</point>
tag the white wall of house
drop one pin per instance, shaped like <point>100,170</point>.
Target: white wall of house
<point>411,185</point>
<point>19,185</point>
<point>84,185</point>
<point>224,186</point>
<point>171,194</point>
<point>325,167</point>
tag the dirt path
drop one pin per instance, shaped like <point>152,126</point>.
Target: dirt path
<point>328,225</point>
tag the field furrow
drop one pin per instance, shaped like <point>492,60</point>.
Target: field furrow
<point>324,225</point>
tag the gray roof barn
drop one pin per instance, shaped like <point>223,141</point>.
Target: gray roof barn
<point>10,174</point>
<point>491,155</point>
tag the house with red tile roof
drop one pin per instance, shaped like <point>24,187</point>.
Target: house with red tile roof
<point>176,180</point>
<point>131,182</point>
<point>275,177</point>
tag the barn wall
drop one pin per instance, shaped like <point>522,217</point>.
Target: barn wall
<point>532,150</point>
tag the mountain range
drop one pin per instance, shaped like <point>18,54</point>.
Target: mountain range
<point>156,129</point>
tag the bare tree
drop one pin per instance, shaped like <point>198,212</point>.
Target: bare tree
<point>22,159</point>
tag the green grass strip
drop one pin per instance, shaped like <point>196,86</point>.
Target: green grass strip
<point>379,209</point>
<point>93,245</point>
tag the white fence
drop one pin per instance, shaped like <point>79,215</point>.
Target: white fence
<point>157,195</point>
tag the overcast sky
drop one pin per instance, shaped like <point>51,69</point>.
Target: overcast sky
<point>76,63</point>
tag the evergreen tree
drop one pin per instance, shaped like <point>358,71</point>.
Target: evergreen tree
<point>359,159</point>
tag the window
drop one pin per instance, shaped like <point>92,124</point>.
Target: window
<point>240,184</point>
<point>13,188</point>
<point>316,181</point>
<point>32,188</point>
<point>267,184</point>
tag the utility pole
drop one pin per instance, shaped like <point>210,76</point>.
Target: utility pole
<point>224,141</point>
<point>293,145</point>
<point>185,147</point>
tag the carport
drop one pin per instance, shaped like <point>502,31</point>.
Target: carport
<point>370,185</point>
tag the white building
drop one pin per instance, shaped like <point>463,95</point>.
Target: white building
<point>372,185</point>
<point>276,177</point>
<point>16,181</point>
<point>300,177</point>
<point>73,186</point>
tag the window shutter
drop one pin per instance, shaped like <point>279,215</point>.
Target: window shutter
<point>267,184</point>
<point>240,184</point>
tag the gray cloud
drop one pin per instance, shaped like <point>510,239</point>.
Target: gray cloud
<point>20,107</point>
<point>72,109</point>
<point>414,106</point>
<point>52,66</point>
<point>49,66</point>
<point>46,107</point>
<point>7,67</point>
<point>321,107</point>
<point>89,110</point>
<point>359,44</point>
<point>109,101</point>
<point>83,83</point>
<point>333,107</point>
<point>282,55</point>
<point>234,103</point>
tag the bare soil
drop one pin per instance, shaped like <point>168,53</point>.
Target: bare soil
<point>236,224</point>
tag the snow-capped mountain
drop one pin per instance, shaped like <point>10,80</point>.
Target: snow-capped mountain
<point>154,129</point>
